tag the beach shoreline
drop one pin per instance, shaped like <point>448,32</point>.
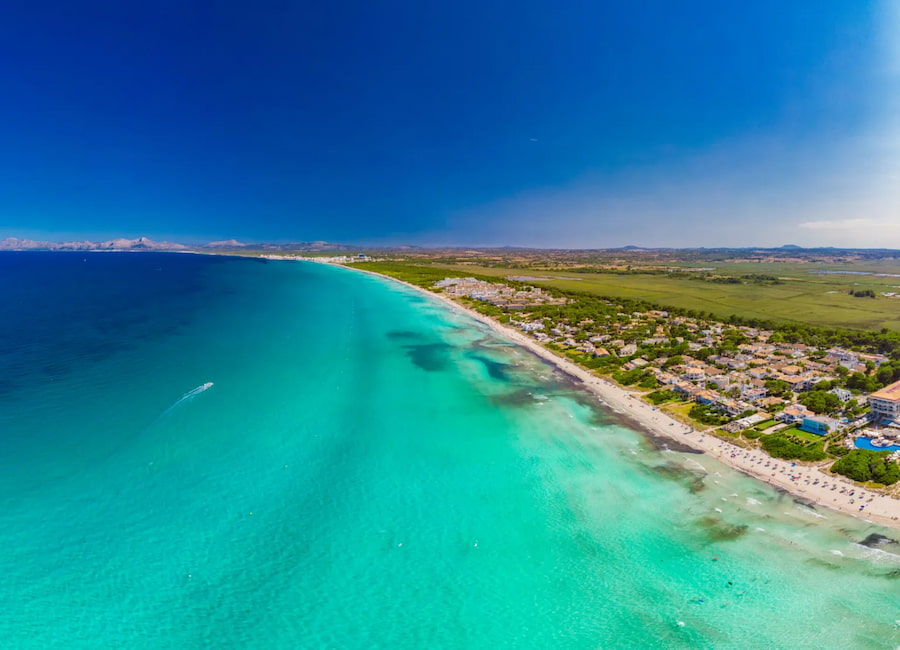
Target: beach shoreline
<point>879,508</point>
<point>806,483</point>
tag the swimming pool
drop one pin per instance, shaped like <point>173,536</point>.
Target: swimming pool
<point>866,443</point>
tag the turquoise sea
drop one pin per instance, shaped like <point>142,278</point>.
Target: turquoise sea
<point>368,470</point>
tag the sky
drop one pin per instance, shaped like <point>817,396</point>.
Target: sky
<point>580,124</point>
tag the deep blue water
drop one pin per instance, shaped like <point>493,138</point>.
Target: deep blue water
<point>66,309</point>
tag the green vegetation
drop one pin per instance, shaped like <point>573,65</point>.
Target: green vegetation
<point>781,445</point>
<point>865,465</point>
<point>680,410</point>
<point>663,396</point>
<point>838,451</point>
<point>486,308</point>
<point>778,388</point>
<point>421,276</point>
<point>630,377</point>
<point>801,434</point>
<point>765,424</point>
<point>820,401</point>
<point>751,278</point>
<point>649,382</point>
<point>707,415</point>
<point>602,365</point>
<point>868,383</point>
<point>586,305</point>
<point>800,296</point>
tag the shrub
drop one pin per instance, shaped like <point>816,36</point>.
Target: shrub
<point>661,396</point>
<point>865,465</point>
<point>838,450</point>
<point>706,414</point>
<point>780,445</point>
<point>649,382</point>
<point>628,378</point>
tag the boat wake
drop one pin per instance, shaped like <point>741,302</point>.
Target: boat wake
<point>189,396</point>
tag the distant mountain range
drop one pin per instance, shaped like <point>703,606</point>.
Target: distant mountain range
<point>139,244</point>
<point>233,245</point>
<point>144,244</point>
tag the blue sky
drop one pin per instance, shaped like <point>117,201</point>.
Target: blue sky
<point>578,124</point>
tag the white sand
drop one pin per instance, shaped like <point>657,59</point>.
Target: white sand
<point>832,491</point>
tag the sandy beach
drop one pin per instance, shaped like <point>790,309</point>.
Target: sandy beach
<point>806,482</point>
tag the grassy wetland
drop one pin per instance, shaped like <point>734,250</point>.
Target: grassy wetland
<point>811,293</point>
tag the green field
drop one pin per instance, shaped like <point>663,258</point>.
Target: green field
<point>804,297</point>
<point>805,435</point>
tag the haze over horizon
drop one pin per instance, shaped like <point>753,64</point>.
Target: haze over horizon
<point>589,125</point>
<point>146,243</point>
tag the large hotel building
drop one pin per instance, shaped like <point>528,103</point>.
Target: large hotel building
<point>885,404</point>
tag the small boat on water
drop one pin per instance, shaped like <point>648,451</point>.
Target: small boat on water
<point>189,395</point>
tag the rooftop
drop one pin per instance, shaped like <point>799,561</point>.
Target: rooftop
<point>891,392</point>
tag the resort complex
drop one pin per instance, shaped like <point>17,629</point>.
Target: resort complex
<point>499,295</point>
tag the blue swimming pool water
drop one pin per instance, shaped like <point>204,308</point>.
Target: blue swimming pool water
<point>866,443</point>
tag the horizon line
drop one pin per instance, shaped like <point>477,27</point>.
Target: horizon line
<point>238,245</point>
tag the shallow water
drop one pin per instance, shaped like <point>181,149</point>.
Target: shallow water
<point>368,469</point>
